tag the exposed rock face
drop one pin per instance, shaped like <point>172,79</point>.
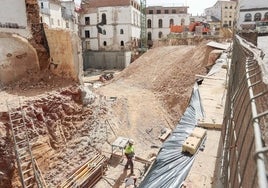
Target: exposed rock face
<point>53,121</point>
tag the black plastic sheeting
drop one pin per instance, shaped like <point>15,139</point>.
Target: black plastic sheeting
<point>171,166</point>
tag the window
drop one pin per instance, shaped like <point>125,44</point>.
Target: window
<point>67,24</point>
<point>151,11</point>
<point>121,31</point>
<point>149,36</point>
<point>160,23</point>
<point>149,23</point>
<point>257,17</point>
<point>87,45</point>
<point>230,23</point>
<point>266,16</point>
<point>248,17</point>
<point>87,34</point>
<point>122,43</point>
<point>182,21</point>
<point>104,43</point>
<point>173,11</point>
<point>42,5</point>
<point>171,22</point>
<point>104,32</point>
<point>158,11</point>
<point>160,35</point>
<point>166,12</point>
<point>87,20</point>
<point>103,19</point>
<point>231,7</point>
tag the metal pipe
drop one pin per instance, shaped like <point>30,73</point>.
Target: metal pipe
<point>262,179</point>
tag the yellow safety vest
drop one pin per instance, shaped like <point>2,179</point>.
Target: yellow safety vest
<point>129,150</point>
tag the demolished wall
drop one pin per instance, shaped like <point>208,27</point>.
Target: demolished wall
<point>65,54</point>
<point>38,40</point>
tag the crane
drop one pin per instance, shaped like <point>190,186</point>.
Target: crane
<point>143,33</point>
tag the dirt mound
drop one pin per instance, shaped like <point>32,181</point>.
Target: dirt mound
<point>169,72</point>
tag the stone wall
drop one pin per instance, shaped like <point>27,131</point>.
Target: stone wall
<point>18,58</point>
<point>38,39</point>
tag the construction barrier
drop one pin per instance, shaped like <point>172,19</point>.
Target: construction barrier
<point>244,133</point>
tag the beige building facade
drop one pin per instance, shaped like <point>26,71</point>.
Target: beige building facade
<point>224,11</point>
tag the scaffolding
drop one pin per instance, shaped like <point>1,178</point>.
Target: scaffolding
<point>143,34</point>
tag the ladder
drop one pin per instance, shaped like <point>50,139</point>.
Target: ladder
<point>29,173</point>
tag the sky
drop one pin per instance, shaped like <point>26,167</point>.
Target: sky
<point>196,7</point>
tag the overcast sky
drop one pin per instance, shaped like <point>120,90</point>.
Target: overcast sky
<point>195,6</point>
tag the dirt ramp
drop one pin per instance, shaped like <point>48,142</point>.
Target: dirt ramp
<point>169,72</point>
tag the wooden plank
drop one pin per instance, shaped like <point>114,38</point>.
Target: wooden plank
<point>164,136</point>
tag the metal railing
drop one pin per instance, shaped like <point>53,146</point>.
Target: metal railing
<point>245,126</point>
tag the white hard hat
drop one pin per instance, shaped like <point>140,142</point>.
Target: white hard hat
<point>131,141</point>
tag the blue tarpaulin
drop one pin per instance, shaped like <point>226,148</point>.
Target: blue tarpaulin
<point>171,166</point>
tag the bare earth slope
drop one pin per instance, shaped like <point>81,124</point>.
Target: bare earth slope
<point>167,72</point>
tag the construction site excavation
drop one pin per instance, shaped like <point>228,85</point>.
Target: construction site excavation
<point>72,128</point>
<point>119,94</point>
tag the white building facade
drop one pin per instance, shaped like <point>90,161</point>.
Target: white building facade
<point>224,11</point>
<point>110,26</point>
<point>59,14</point>
<point>159,20</point>
<point>250,12</point>
<point>13,17</point>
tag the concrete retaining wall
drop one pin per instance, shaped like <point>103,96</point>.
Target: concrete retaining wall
<point>106,60</point>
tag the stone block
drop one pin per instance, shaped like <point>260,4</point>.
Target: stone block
<point>199,132</point>
<point>191,144</point>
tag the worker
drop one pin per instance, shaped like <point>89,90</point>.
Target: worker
<point>130,154</point>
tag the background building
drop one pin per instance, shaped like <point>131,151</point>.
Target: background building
<point>110,25</point>
<point>13,17</point>
<point>224,11</point>
<point>159,20</point>
<point>59,14</point>
<point>250,12</point>
<point>110,32</point>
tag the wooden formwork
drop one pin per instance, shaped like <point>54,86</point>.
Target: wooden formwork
<point>88,174</point>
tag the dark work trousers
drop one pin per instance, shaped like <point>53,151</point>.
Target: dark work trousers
<point>129,163</point>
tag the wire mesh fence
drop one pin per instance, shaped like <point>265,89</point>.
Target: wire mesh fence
<point>245,126</point>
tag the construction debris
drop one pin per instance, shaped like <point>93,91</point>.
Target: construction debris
<point>88,174</point>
